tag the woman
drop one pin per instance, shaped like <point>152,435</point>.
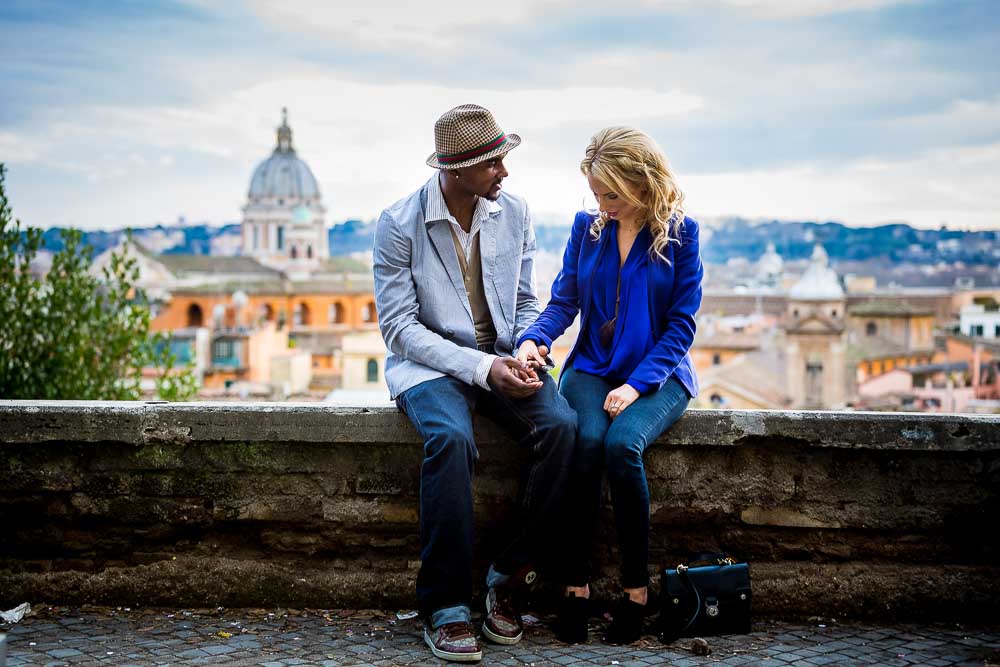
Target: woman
<point>633,272</point>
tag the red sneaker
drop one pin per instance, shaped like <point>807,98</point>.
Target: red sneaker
<point>454,641</point>
<point>503,622</point>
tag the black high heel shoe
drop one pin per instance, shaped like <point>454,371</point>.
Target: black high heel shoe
<point>571,622</point>
<point>627,622</point>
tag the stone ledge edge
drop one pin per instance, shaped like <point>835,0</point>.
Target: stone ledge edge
<point>144,423</point>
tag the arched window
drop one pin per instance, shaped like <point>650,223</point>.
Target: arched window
<point>871,329</point>
<point>372,370</point>
<point>300,316</point>
<point>716,400</point>
<point>335,314</point>
<point>195,317</point>
<point>295,252</point>
<point>368,312</point>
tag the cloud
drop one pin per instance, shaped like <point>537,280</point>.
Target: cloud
<point>389,25</point>
<point>16,148</point>
<point>954,185</point>
<point>743,94</point>
<point>365,142</point>
<point>809,8</point>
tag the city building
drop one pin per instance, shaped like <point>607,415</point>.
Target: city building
<point>277,315</point>
<point>284,217</point>
<point>816,343</point>
<point>887,334</point>
<point>980,320</point>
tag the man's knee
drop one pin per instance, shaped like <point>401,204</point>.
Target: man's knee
<point>558,431</point>
<point>559,418</point>
<point>448,448</point>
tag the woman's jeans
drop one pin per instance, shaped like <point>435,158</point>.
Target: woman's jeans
<point>617,447</point>
<point>441,410</point>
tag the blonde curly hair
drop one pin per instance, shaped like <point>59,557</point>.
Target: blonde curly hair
<point>627,160</point>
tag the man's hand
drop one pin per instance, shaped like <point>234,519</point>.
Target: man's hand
<point>531,354</point>
<point>620,398</point>
<point>513,378</point>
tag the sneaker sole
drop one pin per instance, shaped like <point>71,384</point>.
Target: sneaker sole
<point>447,655</point>
<point>500,639</point>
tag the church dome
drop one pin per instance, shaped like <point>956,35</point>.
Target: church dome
<point>301,214</point>
<point>770,263</point>
<point>819,282</point>
<point>283,175</point>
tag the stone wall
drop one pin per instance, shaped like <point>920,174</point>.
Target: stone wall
<point>840,514</point>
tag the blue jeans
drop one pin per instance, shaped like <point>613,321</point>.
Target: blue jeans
<point>617,447</point>
<point>441,410</point>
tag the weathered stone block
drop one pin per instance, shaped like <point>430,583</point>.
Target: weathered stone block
<point>255,504</point>
<point>779,516</point>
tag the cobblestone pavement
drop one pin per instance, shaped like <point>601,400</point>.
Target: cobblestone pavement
<point>72,636</point>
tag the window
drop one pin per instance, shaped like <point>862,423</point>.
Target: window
<point>833,313</point>
<point>335,314</point>
<point>256,237</point>
<point>996,332</point>
<point>195,317</point>
<point>871,329</point>
<point>300,315</point>
<point>716,359</point>
<point>281,237</point>
<point>372,370</point>
<point>814,382</point>
<point>309,251</point>
<point>717,400</point>
<point>976,330</point>
<point>222,350</point>
<point>368,312</point>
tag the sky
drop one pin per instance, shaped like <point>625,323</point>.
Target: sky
<point>867,112</point>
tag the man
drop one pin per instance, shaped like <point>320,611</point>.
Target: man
<point>454,288</point>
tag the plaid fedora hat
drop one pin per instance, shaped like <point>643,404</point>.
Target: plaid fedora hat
<point>466,135</point>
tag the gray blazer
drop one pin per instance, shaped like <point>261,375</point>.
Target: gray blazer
<point>423,310</point>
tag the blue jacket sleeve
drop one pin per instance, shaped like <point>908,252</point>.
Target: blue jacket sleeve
<point>685,299</point>
<point>564,303</point>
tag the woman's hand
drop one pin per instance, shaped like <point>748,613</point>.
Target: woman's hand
<point>531,354</point>
<point>620,398</point>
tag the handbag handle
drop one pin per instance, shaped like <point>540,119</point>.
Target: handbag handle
<point>713,557</point>
<point>682,571</point>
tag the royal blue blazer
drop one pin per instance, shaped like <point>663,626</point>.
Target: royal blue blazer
<point>674,298</point>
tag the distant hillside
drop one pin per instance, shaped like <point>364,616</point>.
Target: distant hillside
<point>168,239</point>
<point>722,240</point>
<point>736,237</point>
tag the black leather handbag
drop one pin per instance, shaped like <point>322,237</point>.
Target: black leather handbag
<point>708,596</point>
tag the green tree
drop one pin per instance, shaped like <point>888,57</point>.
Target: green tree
<point>70,335</point>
